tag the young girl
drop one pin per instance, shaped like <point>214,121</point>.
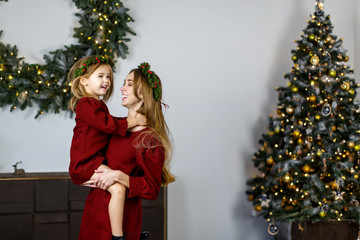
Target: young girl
<point>91,81</point>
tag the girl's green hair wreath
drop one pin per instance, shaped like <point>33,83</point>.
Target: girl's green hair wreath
<point>92,60</point>
<point>152,79</point>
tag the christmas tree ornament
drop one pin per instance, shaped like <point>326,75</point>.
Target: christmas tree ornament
<point>326,110</point>
<point>338,195</point>
<point>351,144</point>
<point>314,60</point>
<point>346,58</point>
<point>294,89</point>
<point>322,214</point>
<point>328,39</point>
<point>324,208</point>
<point>311,37</point>
<point>289,110</point>
<point>332,73</point>
<point>270,160</point>
<point>354,203</point>
<point>264,201</point>
<point>273,229</point>
<point>306,168</point>
<point>312,98</point>
<point>258,208</point>
<point>357,147</point>
<point>345,86</point>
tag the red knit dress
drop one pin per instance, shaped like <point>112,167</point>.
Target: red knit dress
<point>94,124</point>
<point>144,166</point>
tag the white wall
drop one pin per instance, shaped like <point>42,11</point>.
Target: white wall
<point>219,61</point>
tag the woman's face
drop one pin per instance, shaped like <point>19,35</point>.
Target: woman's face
<point>129,100</point>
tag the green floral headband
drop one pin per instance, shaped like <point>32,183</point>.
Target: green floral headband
<point>92,60</point>
<point>152,79</point>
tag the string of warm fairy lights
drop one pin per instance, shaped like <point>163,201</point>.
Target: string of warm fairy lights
<point>103,30</point>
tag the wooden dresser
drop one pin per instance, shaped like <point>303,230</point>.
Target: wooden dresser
<point>43,206</point>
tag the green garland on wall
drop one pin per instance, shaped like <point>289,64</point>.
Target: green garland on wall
<point>103,30</point>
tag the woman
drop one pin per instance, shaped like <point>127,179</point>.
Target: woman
<point>142,164</point>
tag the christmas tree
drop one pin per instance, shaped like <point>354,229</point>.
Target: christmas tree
<point>309,160</point>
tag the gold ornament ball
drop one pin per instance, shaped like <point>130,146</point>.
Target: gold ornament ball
<point>351,144</point>
<point>306,168</point>
<point>356,176</point>
<point>314,60</point>
<point>317,117</point>
<point>258,208</point>
<point>312,98</point>
<point>251,197</point>
<point>345,86</point>
<point>2,67</point>
<point>332,73</point>
<point>328,39</point>
<point>289,110</point>
<point>319,153</point>
<point>294,89</point>
<point>352,91</point>
<point>277,130</point>
<point>346,58</point>
<point>270,160</point>
<point>296,133</point>
<point>357,147</point>
<point>322,214</point>
<point>333,185</point>
<point>294,57</point>
<point>333,128</point>
<point>312,36</point>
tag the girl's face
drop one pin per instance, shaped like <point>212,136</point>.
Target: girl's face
<point>99,81</point>
<point>129,100</point>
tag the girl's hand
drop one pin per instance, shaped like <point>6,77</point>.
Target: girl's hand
<point>89,183</point>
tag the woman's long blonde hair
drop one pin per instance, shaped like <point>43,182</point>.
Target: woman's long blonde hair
<point>77,89</point>
<point>151,109</point>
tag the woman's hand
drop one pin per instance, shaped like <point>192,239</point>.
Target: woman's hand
<point>105,178</point>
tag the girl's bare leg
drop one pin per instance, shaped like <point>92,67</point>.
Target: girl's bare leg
<point>116,208</point>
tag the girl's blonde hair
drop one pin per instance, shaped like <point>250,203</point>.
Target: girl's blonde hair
<point>77,89</point>
<point>151,109</point>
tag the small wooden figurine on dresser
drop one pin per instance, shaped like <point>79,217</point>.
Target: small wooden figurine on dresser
<point>18,171</point>
<point>308,180</point>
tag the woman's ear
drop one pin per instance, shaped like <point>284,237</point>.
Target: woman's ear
<point>83,81</point>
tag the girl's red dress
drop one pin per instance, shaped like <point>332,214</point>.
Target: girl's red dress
<point>142,164</point>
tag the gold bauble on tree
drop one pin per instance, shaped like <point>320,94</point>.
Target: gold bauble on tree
<point>306,168</point>
<point>294,89</point>
<point>311,36</point>
<point>314,60</point>
<point>270,160</point>
<point>332,73</point>
<point>312,98</point>
<point>328,39</point>
<point>258,208</point>
<point>322,214</point>
<point>294,57</point>
<point>296,133</point>
<point>351,144</point>
<point>357,147</point>
<point>289,110</point>
<point>345,86</point>
<point>346,58</point>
